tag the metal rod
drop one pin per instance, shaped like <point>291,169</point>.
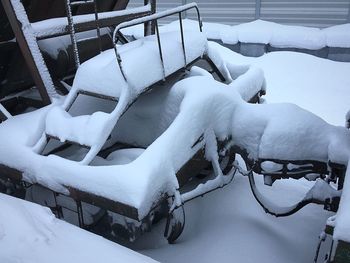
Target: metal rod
<point>257,9</point>
<point>160,48</point>
<point>182,39</point>
<point>184,2</point>
<point>97,26</point>
<point>72,33</point>
<point>153,17</point>
<point>80,214</point>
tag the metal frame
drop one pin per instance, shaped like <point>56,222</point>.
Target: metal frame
<point>154,18</point>
<point>335,173</point>
<point>69,5</point>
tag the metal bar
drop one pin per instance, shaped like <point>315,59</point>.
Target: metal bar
<point>182,39</point>
<point>160,49</point>
<point>157,16</point>
<point>80,214</point>
<point>97,26</point>
<point>153,17</point>
<point>146,25</point>
<point>257,9</point>
<point>28,56</point>
<point>82,2</point>
<point>184,2</point>
<point>349,13</point>
<point>72,33</point>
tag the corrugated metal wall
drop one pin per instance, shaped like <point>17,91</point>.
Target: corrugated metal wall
<point>317,13</point>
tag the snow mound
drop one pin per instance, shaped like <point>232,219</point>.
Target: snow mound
<point>141,63</point>
<point>265,32</point>
<point>31,233</point>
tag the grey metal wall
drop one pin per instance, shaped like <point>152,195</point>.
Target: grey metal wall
<point>317,13</point>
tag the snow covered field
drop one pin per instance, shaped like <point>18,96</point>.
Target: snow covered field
<point>229,225</point>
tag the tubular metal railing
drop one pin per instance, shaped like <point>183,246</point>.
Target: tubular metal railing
<point>154,18</point>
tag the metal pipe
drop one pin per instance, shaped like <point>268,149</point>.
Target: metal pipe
<point>153,17</point>
<point>97,26</point>
<point>72,34</point>
<point>257,9</point>
<point>182,39</point>
<point>160,49</point>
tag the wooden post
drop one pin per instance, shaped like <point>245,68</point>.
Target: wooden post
<point>28,56</point>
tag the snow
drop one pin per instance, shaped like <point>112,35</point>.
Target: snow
<point>342,218</point>
<point>200,105</point>
<point>53,46</point>
<point>315,84</point>
<point>216,108</point>
<point>30,233</point>
<point>211,107</point>
<point>59,25</point>
<point>338,36</point>
<point>265,32</point>
<point>108,79</point>
<point>85,129</point>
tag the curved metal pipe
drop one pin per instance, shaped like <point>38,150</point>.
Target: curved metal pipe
<point>153,17</point>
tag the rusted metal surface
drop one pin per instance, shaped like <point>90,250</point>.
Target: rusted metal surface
<point>11,173</point>
<point>105,203</point>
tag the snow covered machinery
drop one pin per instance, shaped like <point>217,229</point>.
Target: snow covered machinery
<point>36,49</point>
<point>98,126</point>
<point>144,129</point>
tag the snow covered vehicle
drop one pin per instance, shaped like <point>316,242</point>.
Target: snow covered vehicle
<point>142,131</point>
<point>90,128</point>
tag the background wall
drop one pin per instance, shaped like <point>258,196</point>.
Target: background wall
<point>315,13</point>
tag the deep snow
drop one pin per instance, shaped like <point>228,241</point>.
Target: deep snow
<point>30,233</point>
<point>228,225</point>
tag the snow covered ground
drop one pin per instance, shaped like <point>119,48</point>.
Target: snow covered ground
<point>30,233</point>
<point>229,225</point>
<point>315,84</point>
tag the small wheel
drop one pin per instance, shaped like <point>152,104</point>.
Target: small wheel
<point>175,225</point>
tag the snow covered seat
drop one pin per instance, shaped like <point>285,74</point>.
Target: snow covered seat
<point>122,75</point>
<point>102,76</point>
<point>141,63</point>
